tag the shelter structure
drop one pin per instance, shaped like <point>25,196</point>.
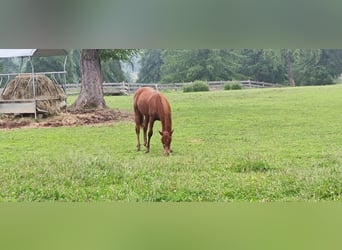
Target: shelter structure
<point>32,92</point>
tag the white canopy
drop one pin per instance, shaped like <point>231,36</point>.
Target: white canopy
<point>6,53</point>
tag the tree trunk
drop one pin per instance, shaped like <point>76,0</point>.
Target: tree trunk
<point>289,69</point>
<point>91,95</point>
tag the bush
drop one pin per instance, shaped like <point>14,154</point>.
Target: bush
<point>236,86</point>
<point>232,86</point>
<point>197,86</point>
<point>227,86</point>
<point>188,88</point>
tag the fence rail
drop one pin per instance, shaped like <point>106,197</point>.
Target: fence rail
<point>128,88</point>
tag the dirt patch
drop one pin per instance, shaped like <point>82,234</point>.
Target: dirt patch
<point>67,118</point>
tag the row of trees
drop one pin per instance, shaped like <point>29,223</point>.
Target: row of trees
<point>94,66</point>
<point>312,65</point>
<point>286,66</point>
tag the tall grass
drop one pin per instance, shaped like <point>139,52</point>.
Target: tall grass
<point>249,145</point>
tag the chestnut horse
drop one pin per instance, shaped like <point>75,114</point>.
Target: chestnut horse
<point>149,106</point>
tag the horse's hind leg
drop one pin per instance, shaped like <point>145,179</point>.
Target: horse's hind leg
<point>137,131</point>
<point>138,119</point>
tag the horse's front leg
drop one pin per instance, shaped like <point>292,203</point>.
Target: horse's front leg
<point>150,133</point>
<point>145,126</point>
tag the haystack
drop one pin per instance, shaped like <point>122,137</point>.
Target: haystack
<point>49,97</point>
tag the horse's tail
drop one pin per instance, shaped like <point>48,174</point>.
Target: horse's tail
<point>138,116</point>
<point>141,119</point>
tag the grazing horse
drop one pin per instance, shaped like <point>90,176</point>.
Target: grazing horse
<point>149,106</point>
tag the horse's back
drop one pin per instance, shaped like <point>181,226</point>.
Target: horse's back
<point>143,93</point>
<point>147,100</point>
<point>143,90</point>
<point>141,99</point>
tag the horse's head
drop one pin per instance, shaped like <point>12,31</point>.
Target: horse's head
<point>166,138</point>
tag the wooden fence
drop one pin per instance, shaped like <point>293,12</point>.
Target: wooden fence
<point>128,88</point>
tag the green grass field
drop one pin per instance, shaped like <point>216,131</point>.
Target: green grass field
<point>246,145</point>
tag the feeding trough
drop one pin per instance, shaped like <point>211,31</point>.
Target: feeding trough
<point>32,92</point>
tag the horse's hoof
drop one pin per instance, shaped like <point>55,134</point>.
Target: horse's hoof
<point>147,151</point>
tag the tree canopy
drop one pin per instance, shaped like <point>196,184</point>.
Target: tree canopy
<point>285,66</point>
<point>150,63</point>
<point>198,64</point>
<point>309,66</point>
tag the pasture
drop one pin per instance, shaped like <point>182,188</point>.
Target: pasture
<point>259,145</point>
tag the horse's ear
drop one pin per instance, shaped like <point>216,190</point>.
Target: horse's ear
<point>172,132</point>
<point>161,133</point>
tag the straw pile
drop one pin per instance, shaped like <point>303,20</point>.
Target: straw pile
<point>50,97</point>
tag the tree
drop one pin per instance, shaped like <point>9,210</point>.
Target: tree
<point>53,64</point>
<point>73,66</point>
<point>317,67</point>
<point>112,71</point>
<point>282,58</point>
<point>91,95</point>
<point>288,59</point>
<point>308,66</point>
<point>291,66</point>
<point>199,64</point>
<point>260,65</point>
<point>151,62</point>
<point>332,60</point>
<point>11,65</point>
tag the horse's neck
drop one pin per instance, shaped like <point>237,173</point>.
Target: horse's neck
<point>165,118</point>
<point>167,122</point>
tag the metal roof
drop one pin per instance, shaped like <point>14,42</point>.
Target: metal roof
<point>6,53</point>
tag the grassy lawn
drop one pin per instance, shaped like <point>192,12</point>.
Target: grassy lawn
<point>246,145</point>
